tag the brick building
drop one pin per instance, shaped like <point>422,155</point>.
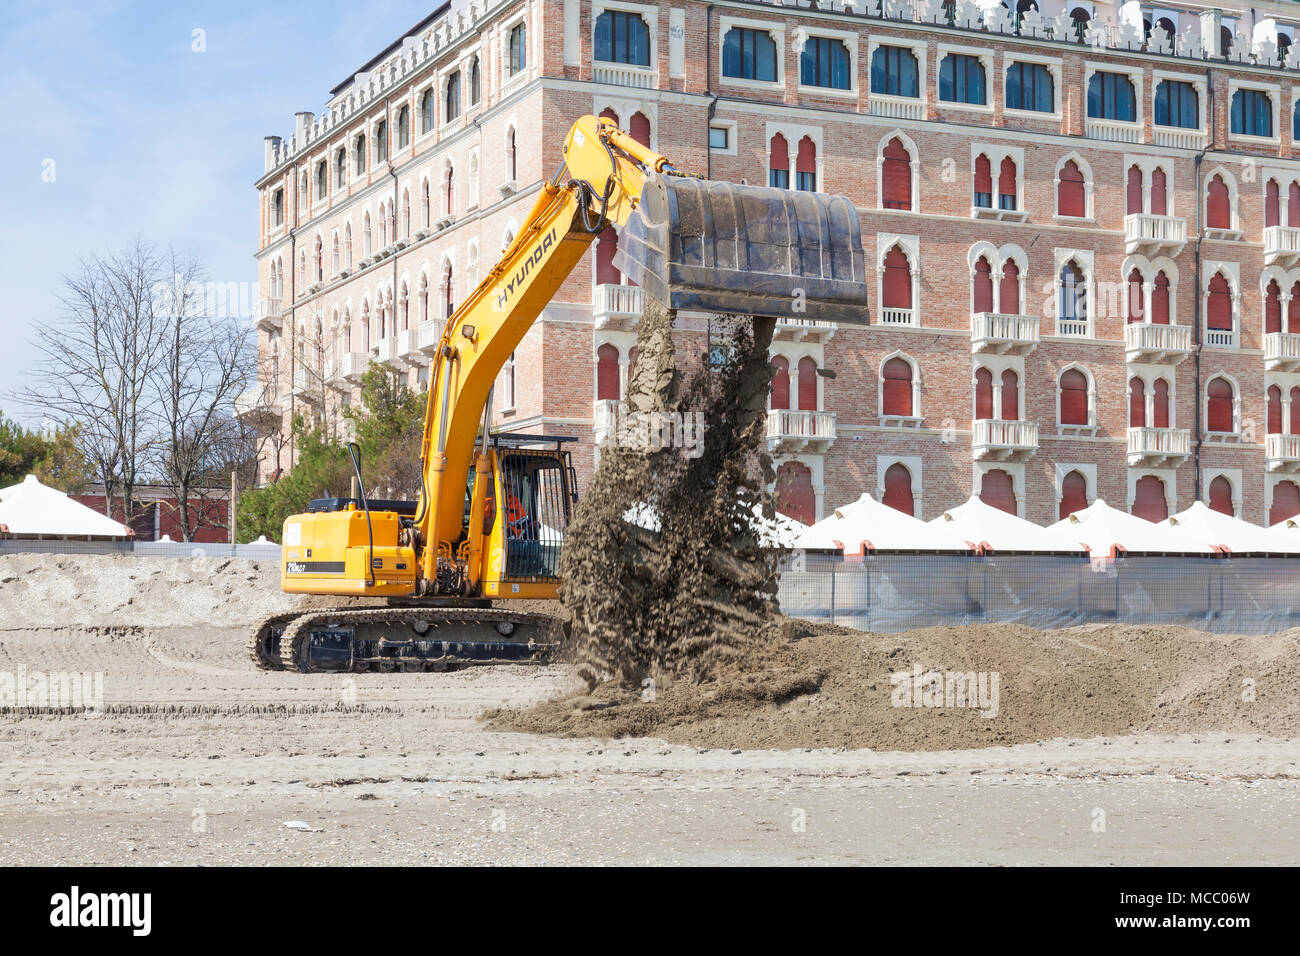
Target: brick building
<point>1084,222</point>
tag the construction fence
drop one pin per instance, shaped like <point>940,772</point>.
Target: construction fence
<point>258,551</point>
<point>896,592</point>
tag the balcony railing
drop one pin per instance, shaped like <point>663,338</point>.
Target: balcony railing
<point>616,306</point>
<point>604,419</point>
<point>1117,131</point>
<point>1158,447</point>
<point>1072,328</point>
<point>811,430</point>
<point>1178,137</point>
<point>408,345</point>
<point>308,383</point>
<point>349,368</point>
<point>389,350</point>
<point>1152,343</point>
<point>623,74</point>
<point>1281,245</point>
<point>898,317</point>
<point>268,314</point>
<point>1155,235</point>
<point>1221,338</point>
<point>1003,440</point>
<point>1002,333</point>
<point>803,330</point>
<point>1281,352</point>
<point>896,107</point>
<point>1282,452</point>
<point>257,405</point>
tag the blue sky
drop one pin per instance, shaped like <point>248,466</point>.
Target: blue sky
<point>149,138</point>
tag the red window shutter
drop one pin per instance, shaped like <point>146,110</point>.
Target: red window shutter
<point>897,387</point>
<point>1134,194</point>
<point>982,297</point>
<point>1274,424</point>
<point>1220,406</point>
<point>609,114</point>
<point>983,174</point>
<point>1286,502</point>
<point>1293,310</point>
<point>1218,214</point>
<point>1137,404</point>
<point>1009,289</point>
<point>898,489</point>
<point>998,491</point>
<point>807,384</point>
<point>1149,499</point>
<point>1158,192</point>
<point>1136,305</point>
<point>897,291</point>
<point>1218,310</point>
<point>1272,307</point>
<point>1007,177</point>
<point>1160,299</point>
<point>1221,496</point>
<point>983,394</point>
<point>794,495</point>
<point>606,246</point>
<point>640,129</point>
<point>1074,494</point>
<point>1074,398</point>
<point>779,153</point>
<point>1295,412</point>
<point>1010,396</point>
<point>896,176</point>
<point>780,382</point>
<point>1272,208</point>
<point>1293,205</point>
<point>1161,403</point>
<point>806,159</point>
<point>607,373</point>
<point>1070,199</point>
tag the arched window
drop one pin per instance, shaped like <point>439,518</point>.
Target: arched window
<point>794,496</point>
<point>335,259</point>
<point>1295,411</point>
<point>448,291</point>
<point>403,126</point>
<point>1010,396</point>
<point>359,154</point>
<point>807,385</point>
<point>423,297</point>
<point>1272,204</point>
<point>1160,403</point>
<point>406,213</point>
<point>1219,401</point>
<point>894,72</point>
<point>318,259</point>
<point>518,49</point>
<point>1133,195</point>
<point>1111,97</point>
<point>805,165</point>
<point>983,192</point>
<point>1160,299</point>
<point>511,175</point>
<point>449,190</point>
<point>778,163</point>
<point>1274,417</point>
<point>780,382</point>
<point>898,489</point>
<point>451,99</point>
<point>1272,307</point>
<point>1137,403</point>
<point>1030,87</point>
<point>1007,184</point>
<point>1177,105</point>
<point>426,213</point>
<point>638,128</point>
<point>897,389</point>
<point>749,55</point>
<point>1159,192</point>
<point>1221,496</point>
<point>1135,299</point>
<point>622,38</point>
<point>1009,289</point>
<point>607,373</point>
<point>1074,494</point>
<point>1218,304</point>
<point>1072,316</point>
<point>1286,502</point>
<point>1252,113</point>
<point>606,247</point>
<point>365,236</point>
<point>896,176</point>
<point>1071,193</point>
<point>426,111</point>
<point>998,490</point>
<point>340,168</point>
<point>381,142</point>
<point>404,308</point>
<point>475,84</point>
<point>1074,398</point>
<point>825,62</point>
<point>896,288</point>
<point>961,79</point>
<point>983,394</point>
<point>1293,309</point>
<point>1149,499</point>
<point>322,180</point>
<point>982,287</point>
<point>1218,207</point>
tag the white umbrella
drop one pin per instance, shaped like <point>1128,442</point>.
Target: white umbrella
<point>867,525</point>
<point>1224,533</point>
<point>986,528</point>
<point>31,508</point>
<point>1106,532</point>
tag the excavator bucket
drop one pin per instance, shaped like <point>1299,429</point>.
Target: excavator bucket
<point>711,246</point>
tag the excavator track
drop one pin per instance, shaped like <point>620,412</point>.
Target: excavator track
<point>401,639</point>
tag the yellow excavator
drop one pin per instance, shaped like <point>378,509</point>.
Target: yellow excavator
<point>491,515</point>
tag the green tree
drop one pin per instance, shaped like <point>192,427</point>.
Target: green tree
<point>55,457</point>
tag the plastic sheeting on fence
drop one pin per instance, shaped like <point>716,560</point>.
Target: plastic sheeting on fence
<point>257,551</point>
<point>896,592</point>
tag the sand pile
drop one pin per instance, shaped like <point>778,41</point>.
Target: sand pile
<point>74,590</point>
<point>695,594</point>
<point>834,687</point>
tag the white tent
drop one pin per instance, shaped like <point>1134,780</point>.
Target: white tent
<point>986,528</point>
<point>867,525</point>
<point>1104,531</point>
<point>1225,533</point>
<point>30,509</point>
<point>1285,536</point>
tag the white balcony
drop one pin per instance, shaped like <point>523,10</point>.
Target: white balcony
<point>268,315</point>
<point>1117,131</point>
<point>804,330</point>
<point>1155,344</point>
<point>1154,235</point>
<point>997,333</point>
<point>428,336</point>
<point>408,346</point>
<point>1281,246</point>
<point>258,407</point>
<point>1282,453</point>
<point>1073,328</point>
<point>1158,447</point>
<point>1221,338</point>
<point>896,107</point>
<point>347,370</point>
<point>616,307</point>
<point>389,351</point>
<point>604,419</point>
<point>898,316</point>
<point>308,384</point>
<point>1178,137</point>
<point>1281,352</point>
<point>623,74</point>
<point>998,440</point>
<point>794,430</point>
